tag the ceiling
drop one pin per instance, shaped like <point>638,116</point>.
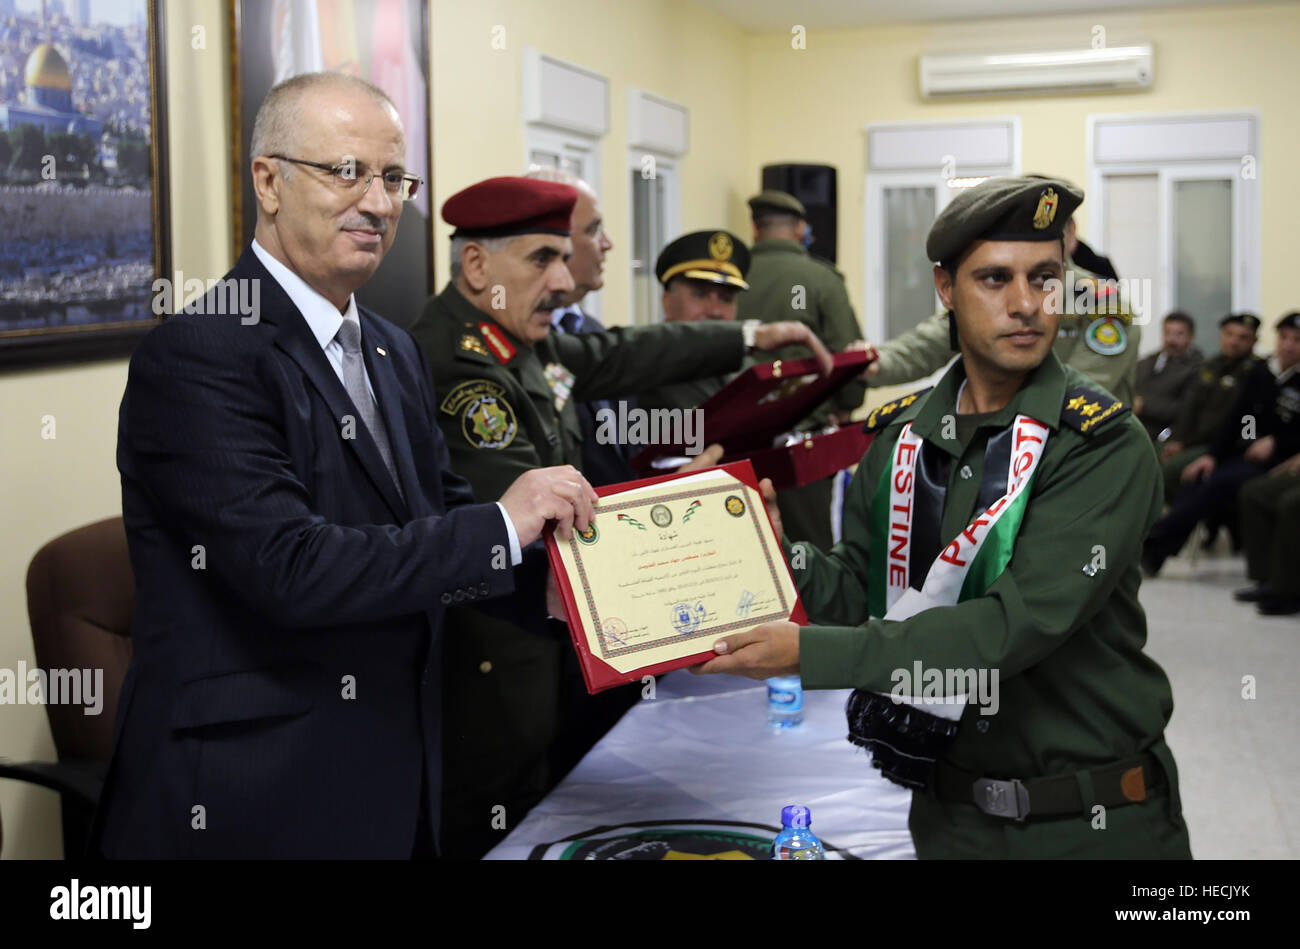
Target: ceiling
<point>762,16</point>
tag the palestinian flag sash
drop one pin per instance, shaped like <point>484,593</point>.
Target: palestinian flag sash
<point>906,734</point>
<point>975,557</point>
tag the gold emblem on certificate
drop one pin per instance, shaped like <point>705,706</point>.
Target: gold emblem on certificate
<point>699,561</point>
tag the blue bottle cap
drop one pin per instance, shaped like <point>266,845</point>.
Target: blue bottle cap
<point>795,815</point>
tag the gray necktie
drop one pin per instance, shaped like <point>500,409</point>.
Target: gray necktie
<point>354,380</point>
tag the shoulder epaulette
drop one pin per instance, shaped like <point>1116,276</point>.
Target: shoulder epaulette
<point>828,264</point>
<point>1085,409</point>
<point>881,414</point>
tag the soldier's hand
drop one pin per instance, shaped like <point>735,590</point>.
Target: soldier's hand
<point>773,512</point>
<point>861,345</point>
<point>772,336</point>
<point>1169,449</point>
<point>559,494</point>
<point>1262,450</point>
<point>765,651</point>
<point>705,459</point>
<point>1202,467</point>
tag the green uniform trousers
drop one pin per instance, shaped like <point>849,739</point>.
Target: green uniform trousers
<point>1270,521</point>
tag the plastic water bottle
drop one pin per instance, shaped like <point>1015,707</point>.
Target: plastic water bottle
<point>796,840</point>
<point>784,701</point>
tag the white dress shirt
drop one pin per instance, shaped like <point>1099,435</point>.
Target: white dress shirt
<point>324,319</point>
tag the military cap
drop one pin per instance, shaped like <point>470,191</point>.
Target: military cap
<point>771,201</point>
<point>712,256</point>
<point>508,206</point>
<point>1289,322</point>
<point>1248,320</point>
<point>1002,209</point>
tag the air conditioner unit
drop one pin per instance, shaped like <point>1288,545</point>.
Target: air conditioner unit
<point>1079,70</point>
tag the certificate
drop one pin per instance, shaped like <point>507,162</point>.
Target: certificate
<point>668,566</point>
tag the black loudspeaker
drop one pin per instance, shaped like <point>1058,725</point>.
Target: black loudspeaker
<point>815,186</point>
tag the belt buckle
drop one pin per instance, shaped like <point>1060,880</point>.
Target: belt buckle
<point>1001,798</point>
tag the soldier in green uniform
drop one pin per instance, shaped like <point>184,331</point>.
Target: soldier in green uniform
<point>788,283</point>
<point>1208,400</point>
<point>995,525</point>
<point>1095,334</point>
<point>702,274</point>
<point>1270,526</point>
<point>506,387</point>
<point>1270,518</point>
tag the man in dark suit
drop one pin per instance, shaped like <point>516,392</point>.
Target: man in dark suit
<point>602,462</point>
<point>296,531</point>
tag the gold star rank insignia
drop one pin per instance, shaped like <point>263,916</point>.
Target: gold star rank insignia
<point>1076,403</point>
<point>1091,409</point>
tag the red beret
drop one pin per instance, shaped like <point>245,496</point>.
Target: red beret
<point>504,207</point>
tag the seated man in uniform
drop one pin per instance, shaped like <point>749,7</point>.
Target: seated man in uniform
<point>1164,378</point>
<point>992,535</point>
<point>1209,399</point>
<point>1260,431</point>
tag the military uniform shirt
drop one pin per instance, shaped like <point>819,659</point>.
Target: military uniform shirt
<point>1062,623</point>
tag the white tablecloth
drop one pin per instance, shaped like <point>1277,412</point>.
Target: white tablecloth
<point>701,755</point>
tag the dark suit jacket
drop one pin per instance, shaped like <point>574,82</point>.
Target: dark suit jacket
<point>283,696</point>
<point>601,463</point>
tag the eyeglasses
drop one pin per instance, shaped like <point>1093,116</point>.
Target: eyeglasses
<point>346,175</point>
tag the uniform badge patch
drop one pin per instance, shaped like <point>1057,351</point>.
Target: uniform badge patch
<point>473,344</point>
<point>1105,336</point>
<point>720,246</point>
<point>486,418</point>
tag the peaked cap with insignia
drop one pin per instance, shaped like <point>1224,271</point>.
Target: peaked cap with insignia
<point>711,256</point>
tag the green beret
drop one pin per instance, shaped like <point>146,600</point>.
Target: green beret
<point>711,256</point>
<point>771,201</point>
<point>1002,209</point>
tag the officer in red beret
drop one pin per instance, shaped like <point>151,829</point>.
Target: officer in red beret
<point>506,389</point>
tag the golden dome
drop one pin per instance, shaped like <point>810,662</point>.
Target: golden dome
<point>46,69</point>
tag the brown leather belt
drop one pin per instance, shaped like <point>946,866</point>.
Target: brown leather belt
<point>1125,782</point>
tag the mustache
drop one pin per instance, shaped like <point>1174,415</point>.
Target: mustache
<point>365,221</point>
<point>553,302</point>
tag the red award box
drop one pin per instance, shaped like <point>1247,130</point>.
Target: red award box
<point>600,675</point>
<point>749,414</point>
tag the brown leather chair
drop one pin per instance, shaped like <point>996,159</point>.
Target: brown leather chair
<point>80,600</point>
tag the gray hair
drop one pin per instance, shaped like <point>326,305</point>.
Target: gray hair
<point>540,173</point>
<point>493,245</point>
<point>281,111</point>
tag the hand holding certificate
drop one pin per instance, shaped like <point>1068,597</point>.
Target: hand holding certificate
<point>667,566</point>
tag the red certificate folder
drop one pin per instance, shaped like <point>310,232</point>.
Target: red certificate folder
<point>598,674</point>
<point>746,416</point>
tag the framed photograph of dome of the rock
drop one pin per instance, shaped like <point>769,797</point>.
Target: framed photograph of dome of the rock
<point>84,209</point>
<point>384,41</point>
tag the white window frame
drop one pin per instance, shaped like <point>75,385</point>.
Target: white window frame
<point>668,170</point>
<point>571,124</point>
<point>1197,155</point>
<point>925,170</point>
<point>659,128</point>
